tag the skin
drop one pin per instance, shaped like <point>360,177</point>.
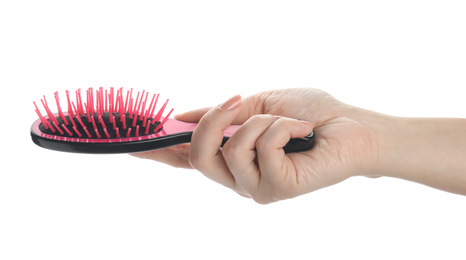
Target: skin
<point>350,141</point>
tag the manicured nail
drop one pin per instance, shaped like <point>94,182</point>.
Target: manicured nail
<point>309,124</point>
<point>231,103</point>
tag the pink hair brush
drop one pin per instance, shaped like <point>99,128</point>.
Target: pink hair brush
<point>110,122</point>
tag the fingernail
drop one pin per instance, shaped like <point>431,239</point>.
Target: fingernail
<point>307,124</point>
<point>231,103</point>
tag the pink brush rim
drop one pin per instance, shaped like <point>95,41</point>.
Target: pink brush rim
<point>171,127</point>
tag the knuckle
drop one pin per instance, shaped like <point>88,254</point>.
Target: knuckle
<point>207,120</point>
<point>211,118</point>
<point>281,122</point>
<point>285,123</point>
<point>231,150</point>
<point>276,189</point>
<point>264,195</point>
<point>264,143</point>
<point>260,119</point>
<point>261,200</point>
<point>195,162</point>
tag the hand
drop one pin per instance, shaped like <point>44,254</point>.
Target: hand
<point>252,162</point>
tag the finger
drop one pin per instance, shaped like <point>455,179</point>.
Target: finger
<point>240,154</point>
<point>205,154</point>
<point>252,105</point>
<point>192,116</point>
<point>176,156</point>
<point>275,166</point>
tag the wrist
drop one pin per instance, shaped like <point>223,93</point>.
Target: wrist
<point>424,150</point>
<point>370,142</point>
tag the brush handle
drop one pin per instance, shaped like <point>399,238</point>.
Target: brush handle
<point>173,126</point>
<point>294,145</point>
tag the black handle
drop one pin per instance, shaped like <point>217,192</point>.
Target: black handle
<point>295,144</point>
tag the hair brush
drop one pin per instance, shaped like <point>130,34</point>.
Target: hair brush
<point>109,122</point>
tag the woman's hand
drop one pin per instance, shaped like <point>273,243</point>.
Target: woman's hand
<point>253,163</point>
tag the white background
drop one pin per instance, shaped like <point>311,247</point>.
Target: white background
<point>405,58</point>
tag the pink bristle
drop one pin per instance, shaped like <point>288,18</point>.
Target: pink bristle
<point>67,130</point>
<point>106,133</point>
<point>164,121</point>
<point>123,121</point>
<point>140,101</point>
<point>49,114</point>
<point>77,131</point>
<point>105,112</point>
<point>45,100</point>
<point>79,103</point>
<point>135,118</point>
<point>78,117</point>
<point>159,114</point>
<point>87,113</point>
<point>101,100</point>
<point>126,102</point>
<point>94,126</point>
<point>148,111</point>
<point>122,107</point>
<point>147,127</point>
<point>47,109</point>
<point>113,122</point>
<point>51,128</point>
<point>97,133</point>
<point>130,98</point>
<point>135,105</point>
<point>106,101</point>
<point>87,132</point>
<point>97,103</point>
<point>101,121</point>
<point>42,118</point>
<point>90,102</point>
<point>70,108</point>
<point>60,112</point>
<point>143,107</point>
<point>58,128</point>
<point>81,122</point>
<point>72,122</point>
<point>117,103</point>
<point>130,111</point>
<point>153,108</point>
<point>110,101</point>
<point>110,111</point>
<point>101,103</point>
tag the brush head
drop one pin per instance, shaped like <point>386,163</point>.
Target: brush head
<point>106,117</point>
<point>103,127</point>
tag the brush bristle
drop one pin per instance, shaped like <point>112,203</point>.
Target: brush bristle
<point>104,115</point>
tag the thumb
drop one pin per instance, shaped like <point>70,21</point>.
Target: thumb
<point>252,105</point>
<point>192,116</point>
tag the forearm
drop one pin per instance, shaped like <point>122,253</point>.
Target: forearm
<point>425,150</point>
